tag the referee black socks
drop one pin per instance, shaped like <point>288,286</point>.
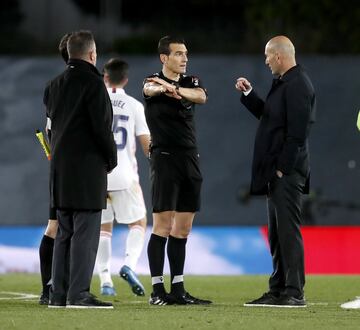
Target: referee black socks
<point>156,255</point>
<point>176,250</point>
<point>46,255</point>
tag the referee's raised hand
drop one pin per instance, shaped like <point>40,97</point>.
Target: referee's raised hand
<point>169,89</point>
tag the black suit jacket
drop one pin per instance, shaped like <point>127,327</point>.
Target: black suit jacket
<point>82,143</point>
<point>281,141</point>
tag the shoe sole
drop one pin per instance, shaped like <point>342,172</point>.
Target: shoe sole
<point>204,303</point>
<point>87,307</point>
<point>162,304</point>
<point>191,303</point>
<point>42,303</point>
<point>275,306</point>
<point>350,307</point>
<point>136,288</point>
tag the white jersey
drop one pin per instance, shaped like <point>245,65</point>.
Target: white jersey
<point>129,122</point>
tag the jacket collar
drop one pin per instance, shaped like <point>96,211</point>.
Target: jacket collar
<point>287,76</point>
<point>77,63</point>
<point>291,73</point>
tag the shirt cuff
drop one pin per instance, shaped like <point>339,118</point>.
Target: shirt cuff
<point>48,123</point>
<point>247,92</point>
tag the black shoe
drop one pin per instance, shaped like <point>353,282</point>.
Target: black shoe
<point>44,298</point>
<point>160,299</point>
<point>187,299</point>
<point>266,300</point>
<point>53,303</point>
<point>89,301</point>
<point>45,294</point>
<point>291,302</point>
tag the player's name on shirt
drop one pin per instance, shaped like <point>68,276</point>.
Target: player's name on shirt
<point>118,103</point>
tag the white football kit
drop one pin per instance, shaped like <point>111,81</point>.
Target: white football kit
<point>125,203</point>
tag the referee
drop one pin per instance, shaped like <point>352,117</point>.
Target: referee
<point>170,98</point>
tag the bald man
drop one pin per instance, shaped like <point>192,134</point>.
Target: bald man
<point>280,167</point>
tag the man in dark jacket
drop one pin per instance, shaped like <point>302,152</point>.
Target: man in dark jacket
<point>281,168</point>
<point>47,242</point>
<point>83,151</point>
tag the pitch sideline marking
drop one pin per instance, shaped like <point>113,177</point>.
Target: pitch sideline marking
<point>18,295</point>
<point>26,296</point>
<point>318,304</point>
<point>308,303</point>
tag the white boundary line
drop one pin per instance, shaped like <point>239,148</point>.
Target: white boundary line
<point>29,296</point>
<point>17,295</point>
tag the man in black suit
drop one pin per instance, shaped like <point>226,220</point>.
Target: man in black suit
<point>281,168</point>
<point>47,242</point>
<point>83,151</point>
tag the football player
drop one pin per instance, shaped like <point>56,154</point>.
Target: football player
<point>125,202</point>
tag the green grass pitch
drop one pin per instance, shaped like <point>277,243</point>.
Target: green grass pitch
<point>323,293</point>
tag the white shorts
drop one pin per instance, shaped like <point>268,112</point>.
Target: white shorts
<point>125,206</point>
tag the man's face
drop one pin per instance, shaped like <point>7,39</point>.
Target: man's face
<point>272,60</point>
<point>177,59</point>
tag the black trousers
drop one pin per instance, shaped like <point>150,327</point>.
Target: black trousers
<point>285,239</point>
<point>75,249</point>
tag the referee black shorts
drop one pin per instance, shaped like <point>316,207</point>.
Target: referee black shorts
<point>175,180</point>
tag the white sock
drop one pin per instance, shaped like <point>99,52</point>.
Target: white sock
<point>134,246</point>
<point>103,258</point>
<point>157,280</point>
<point>178,279</point>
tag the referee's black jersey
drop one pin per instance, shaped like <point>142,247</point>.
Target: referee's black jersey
<point>171,121</point>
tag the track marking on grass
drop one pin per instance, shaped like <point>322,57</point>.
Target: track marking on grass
<point>17,295</point>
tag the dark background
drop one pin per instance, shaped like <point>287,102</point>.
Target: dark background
<point>225,40</point>
<point>210,26</point>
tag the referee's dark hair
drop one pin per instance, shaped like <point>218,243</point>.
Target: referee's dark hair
<point>117,70</point>
<point>80,43</point>
<point>63,47</point>
<point>164,44</point>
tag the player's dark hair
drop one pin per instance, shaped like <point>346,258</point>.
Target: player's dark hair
<point>164,44</point>
<point>80,43</point>
<point>117,70</point>
<point>63,47</point>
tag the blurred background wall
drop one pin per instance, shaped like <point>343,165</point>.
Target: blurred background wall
<point>224,43</point>
<point>210,26</point>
